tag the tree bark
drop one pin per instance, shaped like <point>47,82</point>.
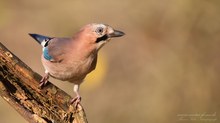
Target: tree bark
<point>19,87</point>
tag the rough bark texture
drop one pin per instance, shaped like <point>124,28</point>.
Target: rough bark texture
<point>19,87</point>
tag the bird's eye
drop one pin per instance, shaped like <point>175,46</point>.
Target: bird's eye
<point>99,30</point>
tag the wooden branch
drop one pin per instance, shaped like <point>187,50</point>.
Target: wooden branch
<point>19,87</point>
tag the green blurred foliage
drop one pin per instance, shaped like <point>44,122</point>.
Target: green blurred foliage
<point>166,65</point>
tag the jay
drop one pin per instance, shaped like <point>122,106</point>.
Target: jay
<point>71,59</point>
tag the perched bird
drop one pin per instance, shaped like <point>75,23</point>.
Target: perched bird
<point>71,59</point>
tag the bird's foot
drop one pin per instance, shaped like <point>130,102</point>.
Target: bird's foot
<point>44,80</point>
<point>76,100</point>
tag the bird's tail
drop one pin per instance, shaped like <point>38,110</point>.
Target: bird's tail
<point>40,38</point>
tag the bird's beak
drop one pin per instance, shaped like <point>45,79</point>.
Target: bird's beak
<point>116,33</point>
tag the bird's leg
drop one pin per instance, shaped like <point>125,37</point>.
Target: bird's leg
<point>76,99</point>
<point>44,80</point>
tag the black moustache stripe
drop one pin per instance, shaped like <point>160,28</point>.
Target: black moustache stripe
<point>103,38</point>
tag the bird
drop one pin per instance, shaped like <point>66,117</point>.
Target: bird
<point>72,58</point>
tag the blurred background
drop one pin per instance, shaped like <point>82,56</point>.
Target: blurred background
<point>164,70</point>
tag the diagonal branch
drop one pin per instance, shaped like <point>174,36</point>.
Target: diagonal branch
<point>19,87</point>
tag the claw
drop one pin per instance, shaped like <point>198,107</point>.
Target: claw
<point>76,100</point>
<point>44,80</point>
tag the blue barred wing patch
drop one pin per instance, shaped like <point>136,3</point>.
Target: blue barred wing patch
<point>46,54</point>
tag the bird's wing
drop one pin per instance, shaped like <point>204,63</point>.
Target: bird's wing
<point>56,49</point>
<point>53,48</point>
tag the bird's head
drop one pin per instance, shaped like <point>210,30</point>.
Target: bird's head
<point>99,34</point>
